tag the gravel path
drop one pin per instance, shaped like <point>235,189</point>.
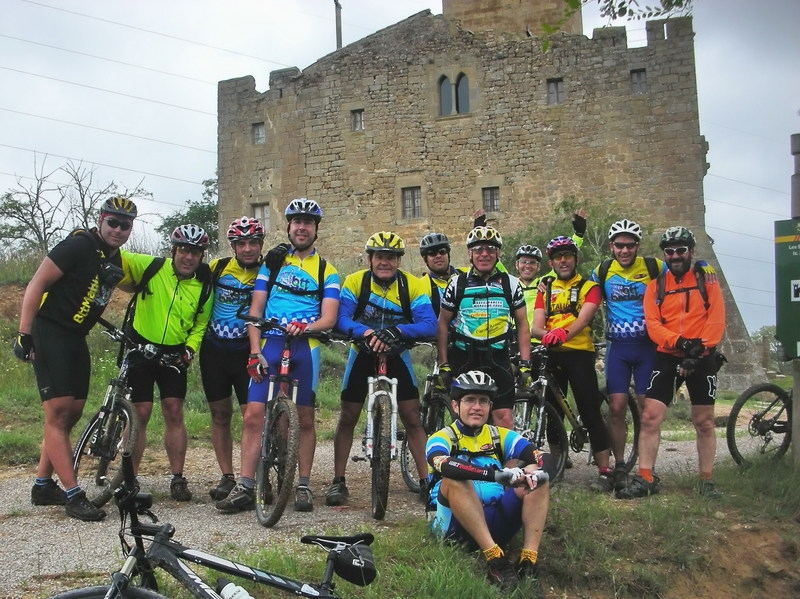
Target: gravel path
<point>40,543</point>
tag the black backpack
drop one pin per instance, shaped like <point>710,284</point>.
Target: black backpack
<point>602,272</point>
<point>574,297</point>
<point>699,274</point>
<point>366,290</point>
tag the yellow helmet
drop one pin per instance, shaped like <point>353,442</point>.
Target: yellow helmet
<point>386,242</point>
<point>119,205</point>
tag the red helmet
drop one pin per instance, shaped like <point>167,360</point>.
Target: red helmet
<point>245,227</point>
<point>560,244</point>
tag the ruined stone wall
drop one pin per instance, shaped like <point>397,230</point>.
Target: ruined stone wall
<point>640,152</point>
<point>522,17</point>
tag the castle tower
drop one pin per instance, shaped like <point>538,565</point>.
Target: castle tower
<point>522,17</point>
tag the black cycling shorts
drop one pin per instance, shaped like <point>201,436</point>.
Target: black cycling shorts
<point>354,385</point>
<point>701,384</point>
<point>62,364</point>
<point>494,362</point>
<point>223,369</point>
<point>145,374</point>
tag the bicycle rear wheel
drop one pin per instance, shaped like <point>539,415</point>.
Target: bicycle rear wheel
<point>438,415</point>
<point>278,461</point>
<point>760,424</point>
<point>381,455</point>
<point>633,424</point>
<point>552,435</point>
<point>97,457</point>
<point>100,593</point>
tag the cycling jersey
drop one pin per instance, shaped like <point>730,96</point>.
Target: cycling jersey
<point>682,313</point>
<point>561,315</point>
<point>483,314</point>
<point>168,315</point>
<point>77,299</point>
<point>438,284</point>
<point>232,290</point>
<point>294,296</point>
<point>624,292</point>
<point>384,308</point>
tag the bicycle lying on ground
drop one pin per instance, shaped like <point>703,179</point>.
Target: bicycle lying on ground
<point>760,424</point>
<point>539,420</point>
<point>350,557</point>
<point>280,438</point>
<point>434,412</point>
<point>115,426</point>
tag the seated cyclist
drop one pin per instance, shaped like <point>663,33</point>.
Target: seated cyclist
<point>478,501</point>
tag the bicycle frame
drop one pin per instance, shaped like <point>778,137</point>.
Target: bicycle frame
<point>375,390</point>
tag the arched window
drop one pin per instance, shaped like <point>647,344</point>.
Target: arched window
<point>445,96</point>
<point>462,94</point>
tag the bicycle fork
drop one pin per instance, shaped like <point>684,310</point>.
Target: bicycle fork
<point>372,397</point>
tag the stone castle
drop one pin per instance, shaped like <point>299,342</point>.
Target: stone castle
<point>416,126</point>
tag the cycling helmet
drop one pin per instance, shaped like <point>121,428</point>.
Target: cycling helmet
<point>433,241</point>
<point>560,244</point>
<point>474,381</point>
<point>625,226</point>
<point>480,235</point>
<point>386,242</point>
<point>119,205</point>
<point>190,235</point>
<point>529,250</point>
<point>677,236</point>
<point>303,207</point>
<point>245,227</point>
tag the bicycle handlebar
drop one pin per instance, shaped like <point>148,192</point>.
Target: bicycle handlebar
<point>149,350</point>
<point>266,324</point>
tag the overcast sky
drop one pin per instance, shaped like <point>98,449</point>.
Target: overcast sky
<point>130,89</point>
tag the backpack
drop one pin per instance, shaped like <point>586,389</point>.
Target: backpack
<point>699,274</point>
<point>436,299</point>
<point>461,285</point>
<point>366,290</point>
<point>142,288</point>
<point>602,272</point>
<point>320,282</point>
<point>574,296</point>
<point>497,449</point>
<point>109,273</point>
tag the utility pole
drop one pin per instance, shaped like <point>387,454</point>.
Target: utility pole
<point>338,24</point>
<point>795,144</point>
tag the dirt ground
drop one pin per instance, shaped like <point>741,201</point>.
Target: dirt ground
<point>747,560</point>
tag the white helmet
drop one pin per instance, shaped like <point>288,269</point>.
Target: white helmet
<point>625,226</point>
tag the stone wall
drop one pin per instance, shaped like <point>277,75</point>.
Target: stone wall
<point>642,153</point>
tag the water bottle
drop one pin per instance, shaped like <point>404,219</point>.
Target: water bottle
<point>229,590</point>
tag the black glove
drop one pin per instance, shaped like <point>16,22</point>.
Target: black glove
<point>389,336</point>
<point>693,348</point>
<point>274,258</point>
<point>688,366</point>
<point>578,225</point>
<point>480,221</point>
<point>23,346</point>
<point>445,377</point>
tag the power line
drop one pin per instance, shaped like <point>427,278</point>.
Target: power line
<point>770,262</point>
<point>150,31</point>
<point>781,214</point>
<point>770,291</point>
<point>161,141</point>
<point>786,193</point>
<point>214,114</point>
<point>740,233</point>
<point>127,64</point>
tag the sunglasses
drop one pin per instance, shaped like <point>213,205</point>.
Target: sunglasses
<point>481,401</point>
<point>439,252</point>
<point>625,246</point>
<point>483,249</point>
<point>527,262</point>
<point>122,225</point>
<point>679,250</point>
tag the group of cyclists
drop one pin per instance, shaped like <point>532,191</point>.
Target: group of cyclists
<point>483,481</point>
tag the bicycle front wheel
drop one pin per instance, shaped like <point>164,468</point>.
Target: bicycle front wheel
<point>759,424</point>
<point>97,457</point>
<point>100,593</point>
<point>381,455</point>
<point>438,415</point>
<point>632,424</point>
<point>550,436</point>
<point>278,461</point>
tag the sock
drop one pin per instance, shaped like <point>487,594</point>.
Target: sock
<point>229,475</point>
<point>73,491</point>
<point>492,552</point>
<point>247,482</point>
<point>338,479</point>
<point>605,470</point>
<point>647,474</point>
<point>304,481</point>
<point>528,554</point>
<point>177,475</point>
<point>43,481</point>
<point>705,476</point>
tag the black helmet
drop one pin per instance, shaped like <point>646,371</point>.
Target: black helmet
<point>677,236</point>
<point>119,205</point>
<point>433,241</point>
<point>474,381</point>
<point>529,250</point>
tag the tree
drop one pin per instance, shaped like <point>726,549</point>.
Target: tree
<point>203,213</point>
<point>35,216</point>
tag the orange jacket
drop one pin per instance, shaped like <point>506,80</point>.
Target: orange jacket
<point>683,314</point>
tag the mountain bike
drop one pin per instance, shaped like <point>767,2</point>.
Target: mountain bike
<point>434,412</point>
<point>280,437</point>
<point>540,421</point>
<point>113,429</point>
<point>760,424</point>
<point>350,557</point>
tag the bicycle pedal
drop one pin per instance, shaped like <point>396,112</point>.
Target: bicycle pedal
<point>358,458</point>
